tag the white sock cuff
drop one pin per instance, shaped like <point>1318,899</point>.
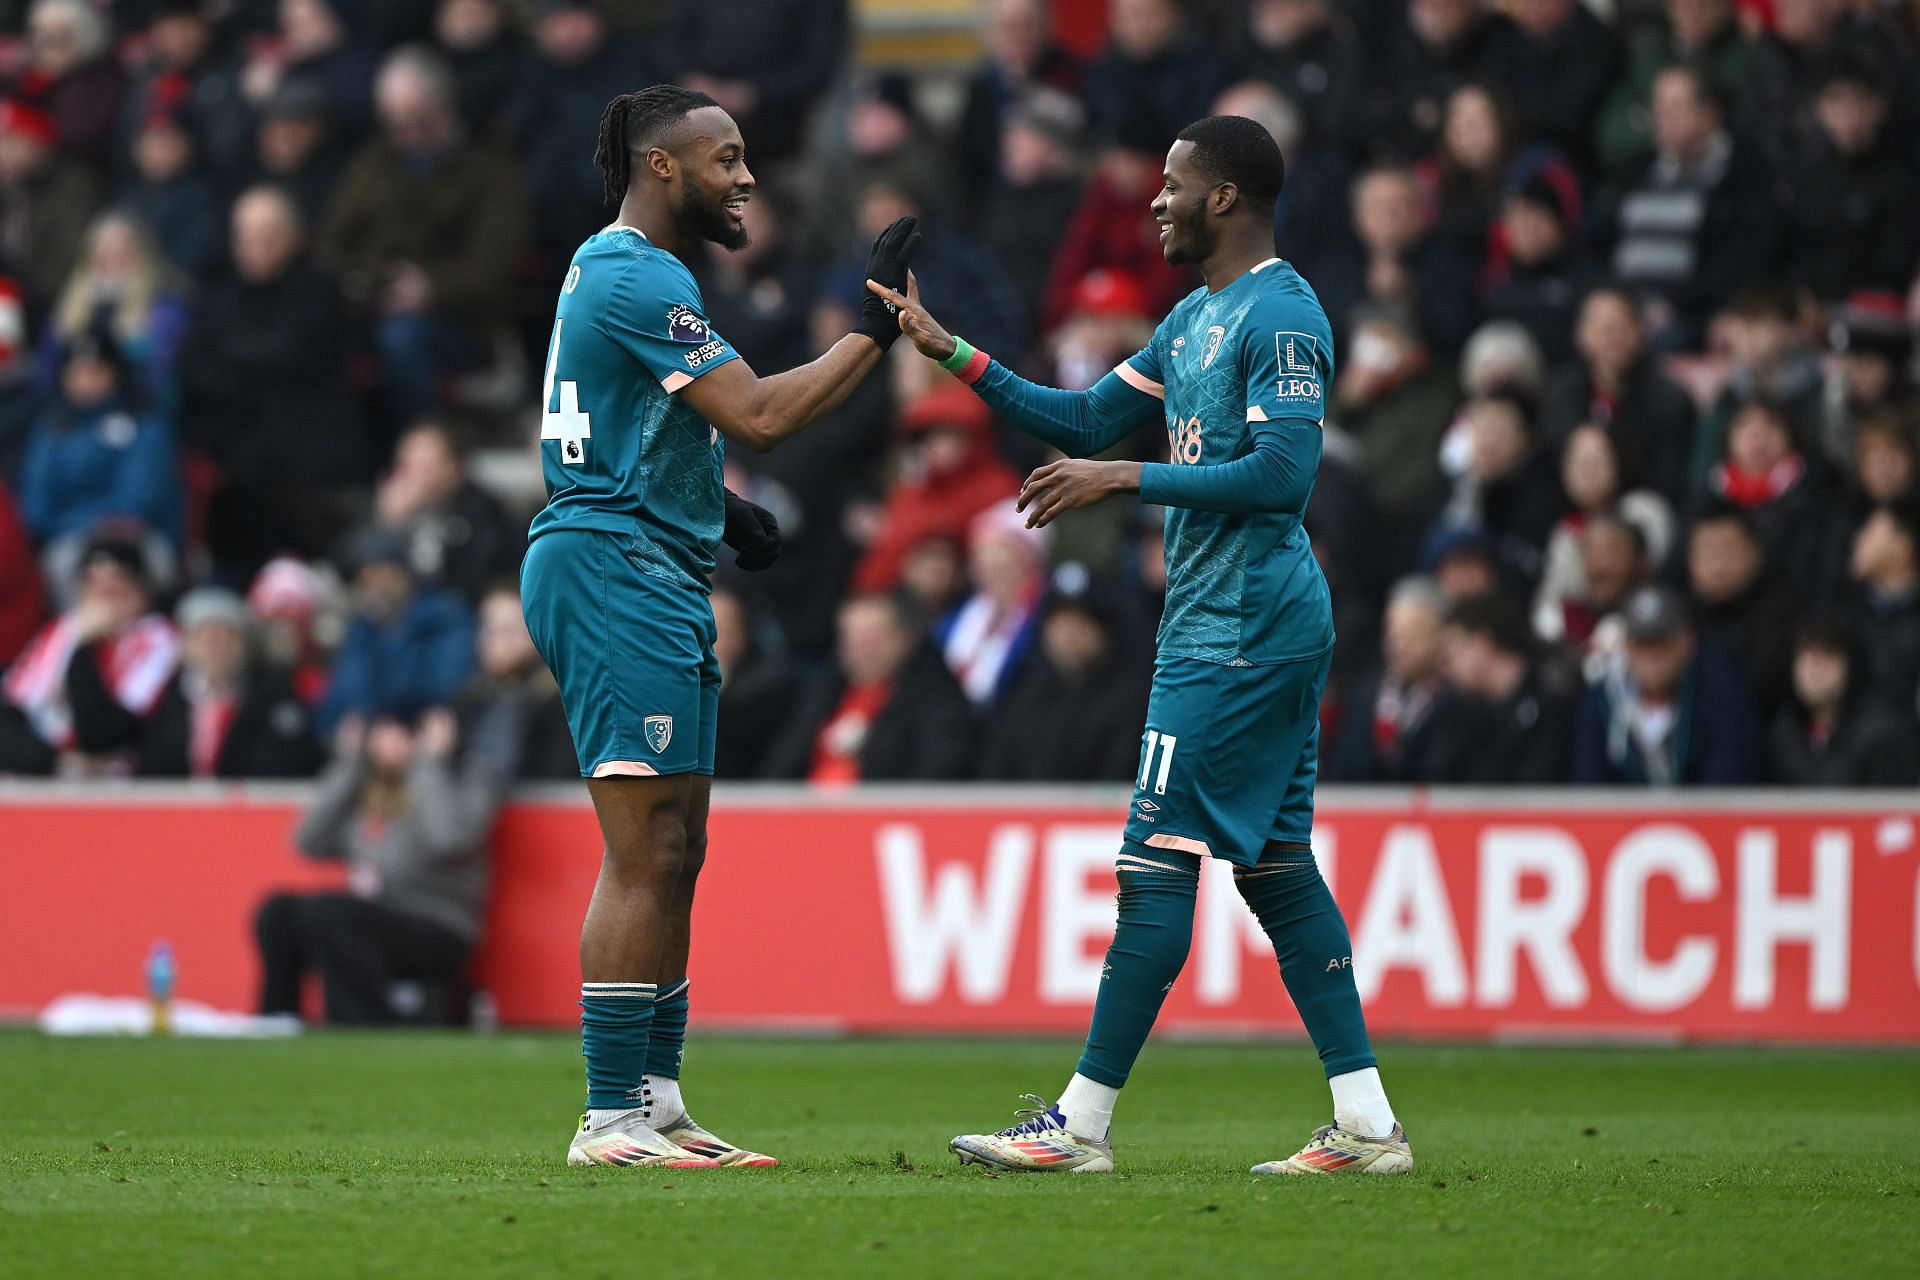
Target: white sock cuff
<point>619,990</point>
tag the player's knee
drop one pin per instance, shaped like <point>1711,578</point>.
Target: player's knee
<point>654,851</point>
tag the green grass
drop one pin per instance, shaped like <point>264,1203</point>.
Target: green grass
<point>431,1155</point>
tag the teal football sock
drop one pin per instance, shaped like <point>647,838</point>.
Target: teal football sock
<point>1310,940</point>
<point>1150,942</point>
<point>667,1045</point>
<point>615,1021</point>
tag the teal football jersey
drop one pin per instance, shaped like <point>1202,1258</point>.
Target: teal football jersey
<point>1241,589</point>
<point>620,452</point>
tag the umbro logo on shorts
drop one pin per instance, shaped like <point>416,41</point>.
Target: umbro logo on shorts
<point>658,731</point>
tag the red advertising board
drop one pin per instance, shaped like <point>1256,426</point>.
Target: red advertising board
<point>1736,917</point>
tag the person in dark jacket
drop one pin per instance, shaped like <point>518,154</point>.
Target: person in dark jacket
<point>1848,196</point>
<point>1671,712</point>
<point>489,60</point>
<point>224,714</point>
<point>1512,721</point>
<point>409,813</point>
<point>1441,44</point>
<point>1507,488</point>
<point>1393,717</point>
<point>1885,564</point>
<point>1543,268</point>
<point>1154,70</point>
<point>1311,52</point>
<point>1740,605</point>
<point>294,147</point>
<point>1075,710</point>
<point>267,398</point>
<point>47,202</point>
<point>511,706</point>
<point>170,192</point>
<point>1767,474</point>
<point>457,536</point>
<point>1039,188</point>
<point>766,62</point>
<point>1021,58</point>
<point>888,710</point>
<point>757,688</point>
<point>425,229</point>
<point>1616,384</point>
<point>405,643</point>
<point>1834,733</point>
<point>1566,61</point>
<point>73,69</point>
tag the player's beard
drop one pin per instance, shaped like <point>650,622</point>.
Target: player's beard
<point>708,220</point>
<point>1191,244</point>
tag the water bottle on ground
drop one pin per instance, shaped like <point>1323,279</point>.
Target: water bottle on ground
<point>160,974</point>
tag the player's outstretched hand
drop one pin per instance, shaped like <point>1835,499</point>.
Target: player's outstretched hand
<point>887,262</point>
<point>1073,482</point>
<point>922,330</point>
<point>752,532</point>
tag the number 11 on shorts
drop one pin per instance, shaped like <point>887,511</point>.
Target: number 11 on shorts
<point>1164,743</point>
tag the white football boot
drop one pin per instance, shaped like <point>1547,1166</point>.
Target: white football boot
<point>626,1140</point>
<point>688,1136</point>
<point>1334,1150</point>
<point>1040,1143</point>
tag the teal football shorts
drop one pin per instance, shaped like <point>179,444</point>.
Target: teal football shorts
<point>633,654</point>
<point>1229,758</point>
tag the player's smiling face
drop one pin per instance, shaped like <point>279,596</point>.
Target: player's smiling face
<point>715,183</point>
<point>1181,209</point>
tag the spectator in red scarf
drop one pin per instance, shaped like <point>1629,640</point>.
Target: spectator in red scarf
<point>1765,473</point>
<point>950,472</point>
<point>76,695</point>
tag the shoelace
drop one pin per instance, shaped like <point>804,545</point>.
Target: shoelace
<point>1035,1119</point>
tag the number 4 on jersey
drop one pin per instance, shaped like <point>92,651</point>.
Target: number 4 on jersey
<point>568,424</point>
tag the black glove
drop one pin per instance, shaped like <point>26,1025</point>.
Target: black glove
<point>752,532</point>
<point>887,264</point>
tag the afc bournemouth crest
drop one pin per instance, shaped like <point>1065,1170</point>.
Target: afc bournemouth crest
<point>1215,335</point>
<point>658,731</point>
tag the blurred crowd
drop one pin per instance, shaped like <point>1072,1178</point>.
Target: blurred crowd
<point>1621,451</point>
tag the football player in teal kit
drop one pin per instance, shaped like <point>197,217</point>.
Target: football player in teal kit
<point>638,394</point>
<point>1239,371</point>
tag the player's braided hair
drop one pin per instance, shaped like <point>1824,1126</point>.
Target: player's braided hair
<point>633,122</point>
<point>1239,150</point>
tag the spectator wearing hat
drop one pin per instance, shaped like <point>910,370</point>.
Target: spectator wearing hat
<point>1834,733</point>
<point>1615,383</point>
<point>406,642</point>
<point>1705,32</point>
<point>266,394</point>
<point>284,602</point>
<point>1022,64</point>
<point>101,664</point>
<point>1885,567</point>
<point>1393,716</point>
<point>225,714</point>
<point>423,230</point>
<point>94,456</point>
<point>1671,712</point>
<point>1848,195</point>
<point>1740,602</point>
<point>22,603</point>
<point>168,190</point>
<point>887,710</point>
<point>1510,721</point>
<point>1700,218</point>
<point>766,62</point>
<point>1538,267</point>
<point>1462,560</point>
<point>1073,714</point>
<point>71,68</point>
<point>1038,187</point>
<point>46,201</point>
<point>1766,473</point>
<point>985,640</point>
<point>409,815</point>
<point>295,148</point>
<point>949,472</point>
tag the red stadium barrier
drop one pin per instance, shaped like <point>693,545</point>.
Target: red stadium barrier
<point>1738,917</point>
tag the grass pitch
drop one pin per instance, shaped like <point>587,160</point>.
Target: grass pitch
<point>441,1155</point>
